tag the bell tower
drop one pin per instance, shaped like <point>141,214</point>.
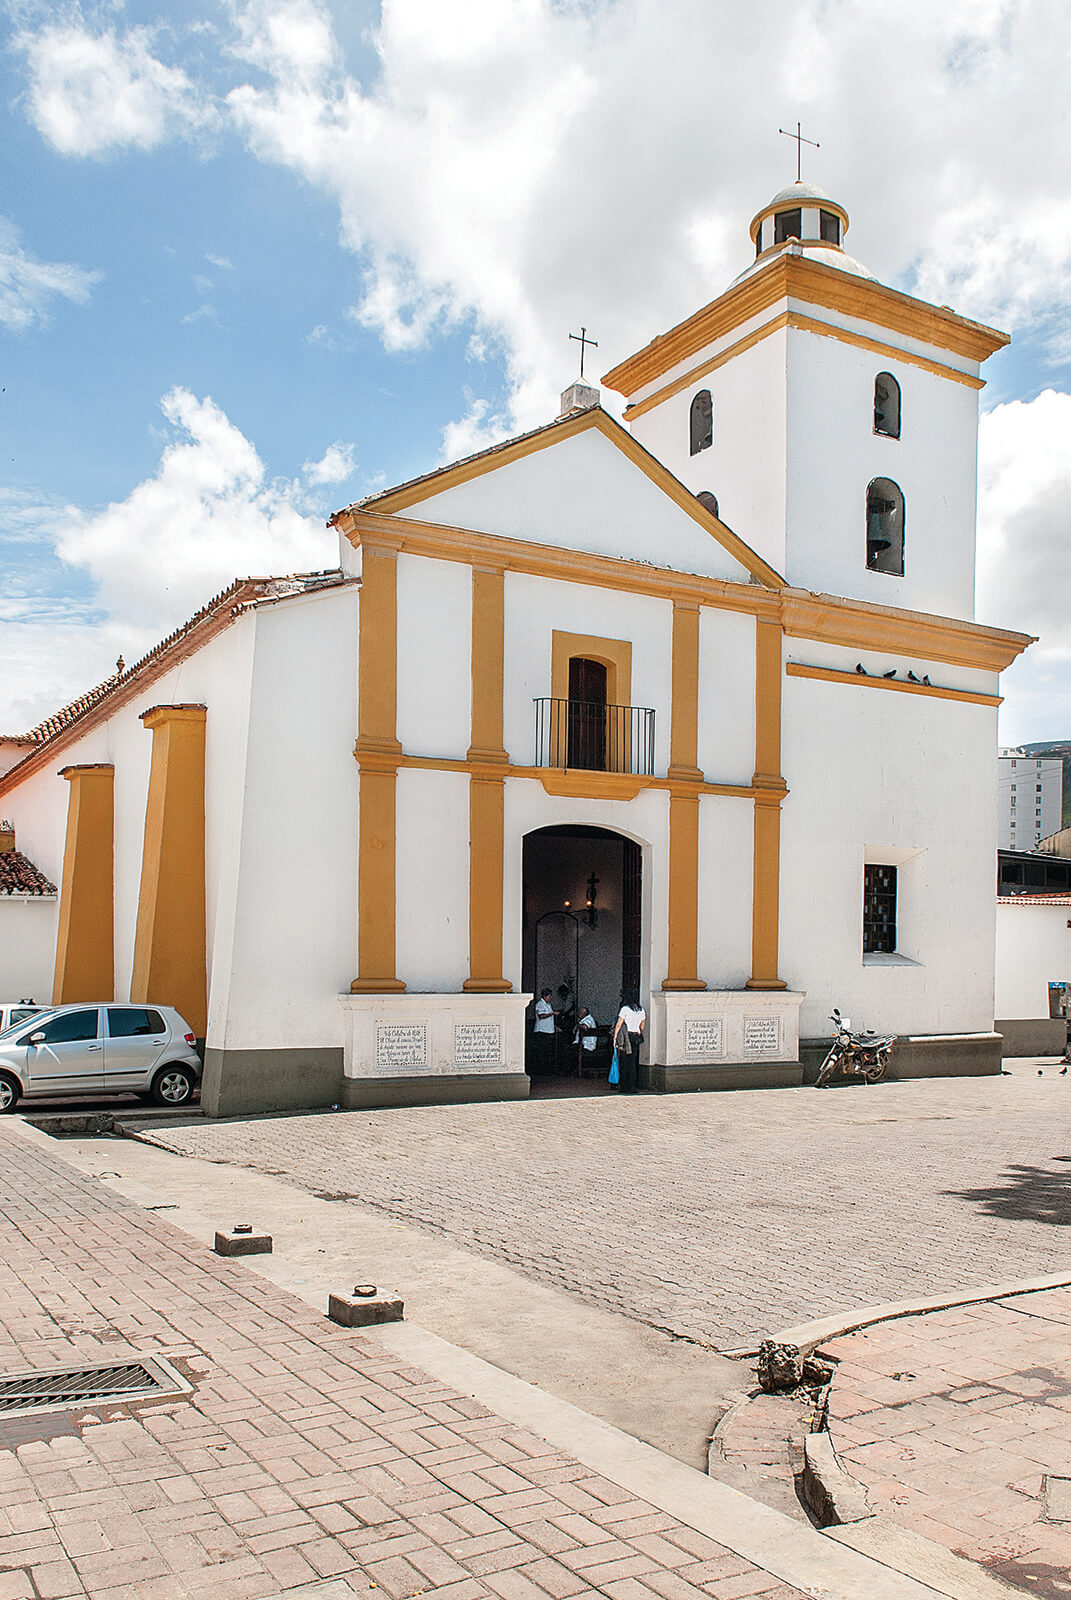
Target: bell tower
<point>829,420</point>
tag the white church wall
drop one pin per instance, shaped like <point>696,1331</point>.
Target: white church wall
<point>844,658</point>
<point>644,819</point>
<point>216,676</point>
<point>859,792</point>
<point>834,453</point>
<point>582,493</point>
<point>27,946</point>
<point>432,879</point>
<point>744,467</point>
<point>726,867</point>
<point>726,743</point>
<point>536,607</point>
<point>434,675</point>
<point>1033,950</point>
<point>293,945</point>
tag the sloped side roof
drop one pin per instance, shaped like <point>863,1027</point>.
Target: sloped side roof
<point>18,875</point>
<point>224,608</point>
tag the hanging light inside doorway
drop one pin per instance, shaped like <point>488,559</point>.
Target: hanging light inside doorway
<point>592,914</point>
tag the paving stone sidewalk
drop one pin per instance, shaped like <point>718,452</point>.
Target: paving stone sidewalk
<point>302,1453</point>
<point>953,1420</point>
<point>717,1217</point>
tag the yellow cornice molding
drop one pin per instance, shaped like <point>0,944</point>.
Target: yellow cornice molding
<point>858,624</point>
<point>796,277</point>
<point>796,319</point>
<point>864,626</point>
<point>799,669</point>
<point>580,783</point>
<point>352,518</point>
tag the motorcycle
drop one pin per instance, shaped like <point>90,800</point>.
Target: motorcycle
<point>865,1055</point>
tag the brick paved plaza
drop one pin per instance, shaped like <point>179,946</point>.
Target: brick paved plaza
<point>302,1453</point>
<point>721,1217</point>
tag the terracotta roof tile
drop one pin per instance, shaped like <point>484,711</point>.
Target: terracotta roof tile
<point>18,875</point>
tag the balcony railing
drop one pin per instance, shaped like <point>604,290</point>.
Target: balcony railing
<point>595,737</point>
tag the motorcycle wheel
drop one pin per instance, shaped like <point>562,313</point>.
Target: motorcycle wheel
<point>826,1070</point>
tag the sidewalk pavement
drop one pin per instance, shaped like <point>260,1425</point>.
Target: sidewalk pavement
<point>953,1422</point>
<point>304,1453</point>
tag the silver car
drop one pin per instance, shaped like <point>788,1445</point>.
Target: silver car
<point>89,1050</point>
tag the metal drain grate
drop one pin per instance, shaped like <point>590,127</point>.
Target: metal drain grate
<point>63,1388</point>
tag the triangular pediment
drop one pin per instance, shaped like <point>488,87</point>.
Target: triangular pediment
<point>582,483</point>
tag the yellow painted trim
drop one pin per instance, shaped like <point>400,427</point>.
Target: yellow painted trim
<point>770,787</point>
<point>888,352</point>
<point>377,751</point>
<point>858,624</point>
<point>683,935</point>
<point>614,654</point>
<point>488,651</point>
<point>797,669</point>
<point>705,368</point>
<point>578,782</point>
<point>797,277</point>
<point>805,324</point>
<point>864,626</point>
<point>85,938</point>
<point>486,835</point>
<point>170,965</point>
<point>422,489</point>
<point>684,723</point>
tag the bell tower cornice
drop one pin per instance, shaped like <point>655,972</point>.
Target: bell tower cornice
<point>788,276</point>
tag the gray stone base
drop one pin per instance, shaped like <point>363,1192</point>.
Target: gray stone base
<point>239,1081</point>
<point>939,1055</point>
<point>435,1089</point>
<point>1033,1036</point>
<point>743,1075</point>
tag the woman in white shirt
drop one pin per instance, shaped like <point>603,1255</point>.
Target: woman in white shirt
<point>628,1032</point>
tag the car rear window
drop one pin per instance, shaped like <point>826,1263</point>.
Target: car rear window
<point>126,1022</point>
<point>67,1029</point>
<point>20,1013</point>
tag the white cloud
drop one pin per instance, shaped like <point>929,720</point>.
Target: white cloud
<point>208,514</point>
<point>28,286</point>
<point>334,466</point>
<point>90,92</point>
<point>220,261</point>
<point>1024,518</point>
<point>528,165</point>
<point>205,313</point>
<point>478,429</point>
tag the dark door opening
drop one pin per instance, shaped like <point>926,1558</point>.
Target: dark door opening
<point>586,743</point>
<point>582,939</point>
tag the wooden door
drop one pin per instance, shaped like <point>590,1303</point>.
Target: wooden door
<point>586,744</point>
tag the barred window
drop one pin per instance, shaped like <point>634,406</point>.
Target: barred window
<point>879,908</point>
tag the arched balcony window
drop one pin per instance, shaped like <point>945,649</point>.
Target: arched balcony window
<point>887,405</point>
<point>885,527</point>
<point>701,422</point>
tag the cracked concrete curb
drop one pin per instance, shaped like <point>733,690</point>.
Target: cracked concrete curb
<point>807,1336</point>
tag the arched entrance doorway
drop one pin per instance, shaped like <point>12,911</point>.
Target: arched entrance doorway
<point>581,939</point>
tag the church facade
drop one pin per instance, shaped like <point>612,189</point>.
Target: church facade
<point>692,707</point>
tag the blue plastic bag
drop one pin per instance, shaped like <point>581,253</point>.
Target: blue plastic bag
<point>615,1075</point>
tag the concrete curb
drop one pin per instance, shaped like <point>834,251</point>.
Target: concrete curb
<point>807,1336</point>
<point>831,1494</point>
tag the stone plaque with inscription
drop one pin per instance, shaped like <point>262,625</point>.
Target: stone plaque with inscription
<point>401,1045</point>
<point>762,1035</point>
<point>477,1044</point>
<point>703,1036</point>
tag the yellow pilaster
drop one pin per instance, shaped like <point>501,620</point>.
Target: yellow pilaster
<point>684,725</point>
<point>683,893</point>
<point>169,942</point>
<point>486,791</point>
<point>770,791</point>
<point>85,968</point>
<point>377,751</point>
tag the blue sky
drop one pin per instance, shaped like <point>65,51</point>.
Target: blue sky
<point>259,256</point>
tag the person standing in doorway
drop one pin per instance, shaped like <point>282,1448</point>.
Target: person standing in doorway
<point>543,1033</point>
<point>628,1035</point>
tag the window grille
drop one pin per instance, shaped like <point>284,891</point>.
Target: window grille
<point>879,908</point>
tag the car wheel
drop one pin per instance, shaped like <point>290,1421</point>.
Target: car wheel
<point>9,1093</point>
<point>172,1086</point>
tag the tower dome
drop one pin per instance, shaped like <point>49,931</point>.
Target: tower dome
<point>803,218</point>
